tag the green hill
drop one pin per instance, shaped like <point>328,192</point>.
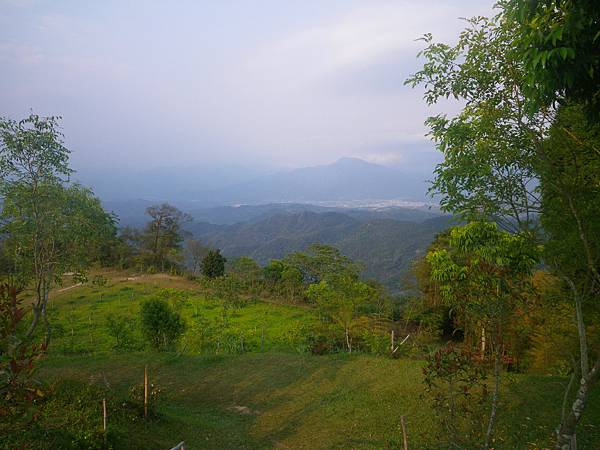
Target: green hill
<point>274,397</point>
<point>385,247</point>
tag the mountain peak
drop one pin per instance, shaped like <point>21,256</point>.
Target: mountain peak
<point>351,161</point>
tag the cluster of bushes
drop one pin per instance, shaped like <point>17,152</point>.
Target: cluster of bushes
<point>69,416</point>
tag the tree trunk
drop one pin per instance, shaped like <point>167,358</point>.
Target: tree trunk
<point>492,420</point>
<point>34,321</point>
<point>566,432</point>
<point>36,309</point>
<point>583,347</point>
<point>483,342</point>
<point>48,331</point>
<point>348,340</point>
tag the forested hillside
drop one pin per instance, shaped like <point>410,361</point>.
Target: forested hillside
<point>385,247</point>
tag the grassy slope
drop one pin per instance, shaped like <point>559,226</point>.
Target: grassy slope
<point>295,400</point>
<point>79,315</point>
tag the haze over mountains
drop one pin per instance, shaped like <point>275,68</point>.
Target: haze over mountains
<point>376,215</point>
<point>348,179</point>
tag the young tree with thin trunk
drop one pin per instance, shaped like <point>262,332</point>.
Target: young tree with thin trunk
<point>195,252</point>
<point>483,272</point>
<point>48,226</point>
<point>570,185</point>
<point>339,297</point>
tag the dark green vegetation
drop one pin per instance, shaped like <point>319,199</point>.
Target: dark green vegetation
<point>385,246</point>
<point>523,153</point>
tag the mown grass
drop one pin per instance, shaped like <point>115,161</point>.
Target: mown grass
<point>275,398</point>
<point>303,401</point>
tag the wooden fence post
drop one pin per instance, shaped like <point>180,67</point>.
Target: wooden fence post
<point>104,417</point>
<point>146,391</point>
<point>404,436</point>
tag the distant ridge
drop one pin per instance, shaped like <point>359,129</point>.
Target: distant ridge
<point>348,179</point>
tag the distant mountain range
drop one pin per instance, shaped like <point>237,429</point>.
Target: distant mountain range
<point>348,179</point>
<point>384,222</point>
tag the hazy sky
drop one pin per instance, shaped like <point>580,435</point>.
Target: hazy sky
<point>258,83</point>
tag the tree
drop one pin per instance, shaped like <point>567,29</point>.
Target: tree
<point>163,235</point>
<point>283,278</point>
<point>499,161</point>
<point>490,146</point>
<point>213,264</point>
<point>340,298</point>
<point>291,281</point>
<point>482,272</point>
<point>195,252</point>
<point>558,41</point>
<point>319,261</point>
<point>161,325</point>
<point>32,155</point>
<point>48,226</point>
<point>570,184</point>
<point>247,271</point>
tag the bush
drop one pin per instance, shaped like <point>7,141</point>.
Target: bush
<point>18,361</point>
<point>324,338</point>
<point>161,325</point>
<point>68,417</point>
<point>99,281</point>
<point>455,383</point>
<point>136,399</point>
<point>376,342</point>
<point>120,329</point>
<point>213,264</point>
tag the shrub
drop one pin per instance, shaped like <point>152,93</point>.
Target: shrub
<point>68,418</point>
<point>455,383</point>
<point>213,264</point>
<point>376,342</point>
<point>18,361</point>
<point>120,329</point>
<point>161,325</point>
<point>99,281</point>
<point>136,399</point>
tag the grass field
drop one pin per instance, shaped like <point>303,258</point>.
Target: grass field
<point>80,314</point>
<point>275,398</point>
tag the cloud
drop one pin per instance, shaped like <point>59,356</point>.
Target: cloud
<point>152,84</point>
<point>364,36</point>
<point>21,54</point>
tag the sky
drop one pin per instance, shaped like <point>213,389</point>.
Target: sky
<point>258,84</point>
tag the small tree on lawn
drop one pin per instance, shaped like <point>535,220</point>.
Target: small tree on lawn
<point>482,272</point>
<point>340,298</point>
<point>161,325</point>
<point>48,226</point>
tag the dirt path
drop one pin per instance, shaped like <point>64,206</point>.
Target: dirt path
<point>70,287</point>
